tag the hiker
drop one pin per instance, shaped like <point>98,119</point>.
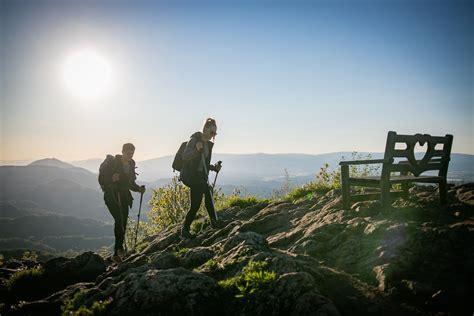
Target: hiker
<point>117,177</point>
<point>195,173</point>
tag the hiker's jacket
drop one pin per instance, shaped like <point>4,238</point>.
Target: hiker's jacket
<point>192,167</point>
<point>125,183</point>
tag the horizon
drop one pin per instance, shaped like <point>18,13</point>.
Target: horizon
<point>79,79</point>
<point>28,161</point>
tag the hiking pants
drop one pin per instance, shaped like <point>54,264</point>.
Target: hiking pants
<point>118,208</point>
<point>199,187</point>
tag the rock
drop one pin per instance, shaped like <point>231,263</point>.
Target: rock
<point>165,292</point>
<point>85,267</point>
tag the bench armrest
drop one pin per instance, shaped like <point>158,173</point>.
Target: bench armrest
<point>361,162</point>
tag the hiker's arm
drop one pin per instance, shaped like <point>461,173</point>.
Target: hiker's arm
<point>190,152</point>
<point>133,184</point>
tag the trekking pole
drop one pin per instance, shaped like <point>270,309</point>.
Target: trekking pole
<point>207,180</point>
<point>138,221</point>
<point>219,163</point>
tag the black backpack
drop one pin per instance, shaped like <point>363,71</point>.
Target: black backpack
<point>105,166</point>
<point>178,161</point>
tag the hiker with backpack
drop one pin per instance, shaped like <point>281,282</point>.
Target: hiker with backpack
<point>116,178</point>
<point>196,157</point>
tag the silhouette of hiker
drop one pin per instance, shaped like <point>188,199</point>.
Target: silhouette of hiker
<point>195,173</point>
<point>117,177</point>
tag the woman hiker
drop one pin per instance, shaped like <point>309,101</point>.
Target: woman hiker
<point>195,173</point>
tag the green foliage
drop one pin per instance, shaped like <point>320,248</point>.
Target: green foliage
<point>23,279</point>
<point>2,259</point>
<point>198,224</point>
<point>253,279</point>
<point>169,205</point>
<point>211,265</point>
<point>180,251</point>
<point>69,306</point>
<point>144,230</point>
<point>327,180</point>
<point>29,255</point>
<point>243,202</point>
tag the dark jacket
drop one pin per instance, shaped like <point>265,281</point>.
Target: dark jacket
<point>126,180</point>
<point>192,158</point>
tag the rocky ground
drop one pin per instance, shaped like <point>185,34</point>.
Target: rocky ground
<point>304,257</point>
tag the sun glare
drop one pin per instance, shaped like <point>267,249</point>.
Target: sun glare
<point>87,74</point>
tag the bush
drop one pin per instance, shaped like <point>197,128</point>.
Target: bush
<point>169,205</point>
<point>70,306</point>
<point>28,284</point>
<point>254,278</point>
<point>24,278</point>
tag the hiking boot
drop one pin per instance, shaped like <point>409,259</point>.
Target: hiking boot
<point>186,234</point>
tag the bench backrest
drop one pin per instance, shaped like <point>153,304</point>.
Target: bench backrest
<point>434,159</point>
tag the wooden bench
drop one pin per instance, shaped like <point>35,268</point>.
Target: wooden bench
<point>409,170</point>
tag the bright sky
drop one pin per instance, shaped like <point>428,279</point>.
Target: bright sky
<point>79,78</point>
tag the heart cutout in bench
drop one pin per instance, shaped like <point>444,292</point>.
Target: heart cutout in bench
<point>421,147</point>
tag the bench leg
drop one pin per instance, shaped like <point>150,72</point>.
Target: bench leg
<point>404,185</point>
<point>443,190</point>
<point>346,198</point>
<point>385,195</point>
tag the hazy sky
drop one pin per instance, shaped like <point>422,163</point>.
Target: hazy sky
<point>303,77</point>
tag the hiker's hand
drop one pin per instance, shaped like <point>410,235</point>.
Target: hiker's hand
<point>199,146</point>
<point>115,177</point>
<point>142,189</point>
<point>217,167</point>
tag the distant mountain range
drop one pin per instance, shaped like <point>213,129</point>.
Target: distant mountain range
<point>45,204</point>
<point>56,186</point>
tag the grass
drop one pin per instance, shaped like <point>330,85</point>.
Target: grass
<point>254,278</point>
<point>244,202</point>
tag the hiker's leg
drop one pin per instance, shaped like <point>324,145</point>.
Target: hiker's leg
<point>124,219</point>
<point>196,198</point>
<point>115,211</point>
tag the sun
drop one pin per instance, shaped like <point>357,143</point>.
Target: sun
<point>87,74</point>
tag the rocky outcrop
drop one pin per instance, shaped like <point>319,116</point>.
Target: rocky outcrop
<point>314,259</point>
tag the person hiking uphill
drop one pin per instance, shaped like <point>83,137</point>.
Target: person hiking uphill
<point>195,173</point>
<point>117,177</point>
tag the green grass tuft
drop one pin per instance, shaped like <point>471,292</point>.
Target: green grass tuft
<point>254,278</point>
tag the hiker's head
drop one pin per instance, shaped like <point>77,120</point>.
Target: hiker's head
<point>209,129</point>
<point>127,151</point>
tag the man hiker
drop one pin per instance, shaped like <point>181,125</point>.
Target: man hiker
<point>117,177</point>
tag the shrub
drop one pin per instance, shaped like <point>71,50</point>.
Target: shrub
<point>253,279</point>
<point>29,255</point>
<point>24,278</point>
<point>170,204</point>
<point>97,308</point>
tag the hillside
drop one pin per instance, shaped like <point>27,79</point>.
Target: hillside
<point>303,257</point>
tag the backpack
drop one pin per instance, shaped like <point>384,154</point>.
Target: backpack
<point>178,161</point>
<point>104,168</point>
